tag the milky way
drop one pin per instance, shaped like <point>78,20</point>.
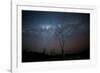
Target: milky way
<point>42,30</point>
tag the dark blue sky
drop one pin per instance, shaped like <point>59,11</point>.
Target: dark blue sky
<point>39,30</point>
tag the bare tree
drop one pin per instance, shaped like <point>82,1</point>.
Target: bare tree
<point>59,33</point>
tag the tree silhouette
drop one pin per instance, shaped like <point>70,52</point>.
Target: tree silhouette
<point>59,33</point>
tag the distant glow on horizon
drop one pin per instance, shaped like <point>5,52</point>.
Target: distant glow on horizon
<point>46,27</point>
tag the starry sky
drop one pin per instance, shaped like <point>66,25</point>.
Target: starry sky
<point>41,31</point>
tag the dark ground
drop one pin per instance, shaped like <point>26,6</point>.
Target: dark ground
<point>39,57</point>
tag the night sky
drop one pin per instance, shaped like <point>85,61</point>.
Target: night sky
<point>43,30</point>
